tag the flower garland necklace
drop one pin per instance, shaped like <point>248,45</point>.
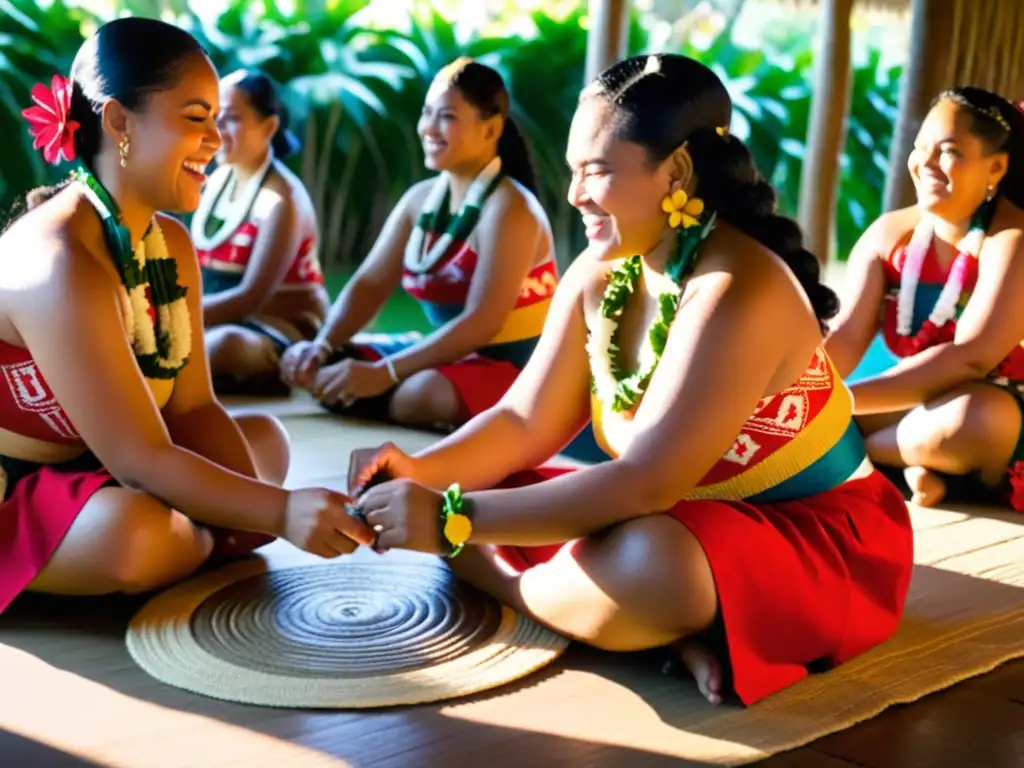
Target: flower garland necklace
<point>149,279</point>
<point>612,384</point>
<point>436,217</point>
<point>219,213</point>
<point>945,307</point>
<point>147,271</point>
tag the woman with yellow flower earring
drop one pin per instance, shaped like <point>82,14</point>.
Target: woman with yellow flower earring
<point>738,523</point>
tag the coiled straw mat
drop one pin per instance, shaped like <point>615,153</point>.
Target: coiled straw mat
<point>335,634</point>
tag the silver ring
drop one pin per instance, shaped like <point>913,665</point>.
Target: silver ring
<point>353,511</point>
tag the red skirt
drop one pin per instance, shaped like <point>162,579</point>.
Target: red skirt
<point>806,583</point>
<point>479,381</point>
<point>42,504</point>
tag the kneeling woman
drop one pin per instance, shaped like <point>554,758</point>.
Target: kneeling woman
<point>472,245</point>
<point>941,281</point>
<point>739,507</point>
<point>256,236</point>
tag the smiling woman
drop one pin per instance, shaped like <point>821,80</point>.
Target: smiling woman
<point>472,245</point>
<point>939,280</point>
<point>256,235</point>
<point>119,470</point>
<point>738,518</point>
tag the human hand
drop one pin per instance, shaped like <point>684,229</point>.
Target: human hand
<point>350,380</point>
<point>368,467</point>
<point>316,520</point>
<point>406,515</point>
<point>301,362</point>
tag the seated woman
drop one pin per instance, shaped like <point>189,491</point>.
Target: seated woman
<point>940,281</point>
<point>472,245</point>
<point>119,470</point>
<point>256,235</point>
<point>739,505</point>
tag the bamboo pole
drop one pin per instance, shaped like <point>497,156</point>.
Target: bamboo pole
<point>931,30</point>
<point>826,131</point>
<point>608,35</point>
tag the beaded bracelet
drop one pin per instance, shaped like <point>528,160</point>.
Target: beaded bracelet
<point>457,526</point>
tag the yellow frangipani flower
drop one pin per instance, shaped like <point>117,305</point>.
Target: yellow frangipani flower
<point>682,209</point>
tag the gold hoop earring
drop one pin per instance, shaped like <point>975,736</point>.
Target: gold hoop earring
<point>123,147</point>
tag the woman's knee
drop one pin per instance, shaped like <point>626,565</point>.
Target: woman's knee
<point>642,584</point>
<point>660,571</point>
<point>269,443</point>
<point>427,398</point>
<point>972,428</point>
<point>240,351</point>
<point>124,541</point>
<point>155,545</point>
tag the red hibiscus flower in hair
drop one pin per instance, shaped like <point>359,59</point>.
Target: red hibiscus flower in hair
<point>48,121</point>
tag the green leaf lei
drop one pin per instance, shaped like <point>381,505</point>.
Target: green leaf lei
<point>149,276</point>
<point>611,383</point>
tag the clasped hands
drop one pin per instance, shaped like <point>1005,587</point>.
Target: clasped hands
<point>304,364</point>
<point>387,509</point>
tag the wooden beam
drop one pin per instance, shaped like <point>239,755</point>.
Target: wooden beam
<point>608,35</point>
<point>931,28</point>
<point>826,131</point>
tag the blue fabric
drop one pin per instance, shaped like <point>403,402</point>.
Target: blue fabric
<point>217,281</point>
<point>828,472</point>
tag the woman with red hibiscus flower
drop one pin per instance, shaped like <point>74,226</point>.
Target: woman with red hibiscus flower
<point>939,280</point>
<point>119,470</point>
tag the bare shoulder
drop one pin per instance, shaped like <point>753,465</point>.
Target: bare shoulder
<point>179,244</point>
<point>415,197</point>
<point>889,229</point>
<point>730,257</point>
<point>1004,241</point>
<point>587,277</point>
<point>54,247</point>
<point>174,231</point>
<point>758,280</point>
<point>511,197</point>
<point>744,283</point>
<point>290,189</point>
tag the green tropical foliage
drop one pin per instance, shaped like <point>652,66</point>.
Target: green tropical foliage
<point>355,89</point>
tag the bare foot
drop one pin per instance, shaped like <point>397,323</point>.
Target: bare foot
<point>928,488</point>
<point>704,666</point>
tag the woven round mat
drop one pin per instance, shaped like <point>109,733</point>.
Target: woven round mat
<point>338,634</point>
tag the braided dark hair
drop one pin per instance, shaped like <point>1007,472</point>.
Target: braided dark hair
<point>664,100</point>
<point>999,125</point>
